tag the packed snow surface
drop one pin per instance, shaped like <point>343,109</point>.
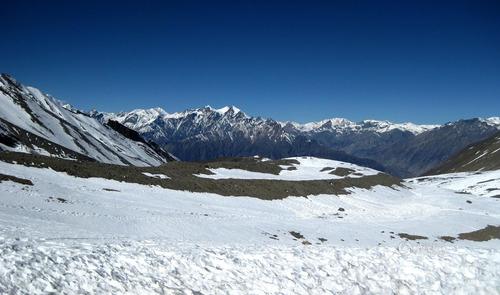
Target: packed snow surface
<point>309,168</point>
<point>480,183</point>
<point>149,267</point>
<point>73,235</point>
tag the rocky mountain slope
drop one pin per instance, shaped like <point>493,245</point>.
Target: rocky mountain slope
<point>403,149</point>
<point>33,122</point>
<point>481,156</point>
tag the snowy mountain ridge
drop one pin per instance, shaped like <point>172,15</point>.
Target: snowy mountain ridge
<point>147,116</point>
<point>492,121</point>
<point>31,119</point>
<point>405,149</point>
<point>232,117</point>
<point>344,125</point>
<point>204,122</point>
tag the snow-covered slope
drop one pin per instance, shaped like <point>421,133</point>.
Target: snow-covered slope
<point>42,116</point>
<point>65,234</point>
<point>63,206</point>
<point>483,183</point>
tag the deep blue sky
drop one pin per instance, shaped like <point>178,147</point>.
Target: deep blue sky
<point>426,62</point>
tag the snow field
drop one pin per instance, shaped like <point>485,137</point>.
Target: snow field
<point>482,183</point>
<point>60,206</point>
<point>309,168</point>
<point>147,267</point>
<point>69,235</point>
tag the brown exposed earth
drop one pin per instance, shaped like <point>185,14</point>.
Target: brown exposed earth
<point>4,177</point>
<point>488,233</point>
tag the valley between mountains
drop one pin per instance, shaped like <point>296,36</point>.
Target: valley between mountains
<point>213,201</point>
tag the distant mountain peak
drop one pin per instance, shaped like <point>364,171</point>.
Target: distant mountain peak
<point>226,109</point>
<point>151,113</point>
<point>323,124</point>
<point>385,126</point>
<point>222,111</point>
<point>345,125</point>
<point>492,121</point>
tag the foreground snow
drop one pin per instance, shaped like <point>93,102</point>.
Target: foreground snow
<point>150,267</point>
<point>75,235</point>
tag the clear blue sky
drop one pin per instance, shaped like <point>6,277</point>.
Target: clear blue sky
<point>420,61</point>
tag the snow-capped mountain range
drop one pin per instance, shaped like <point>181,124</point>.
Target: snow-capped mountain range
<point>141,118</point>
<point>207,133</point>
<point>33,122</point>
<point>202,123</point>
<point>343,125</point>
<point>405,149</point>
